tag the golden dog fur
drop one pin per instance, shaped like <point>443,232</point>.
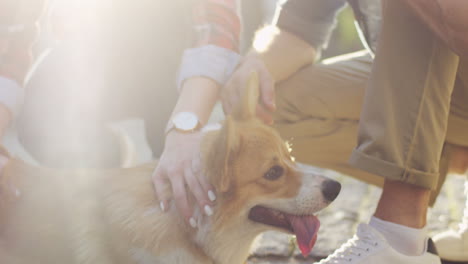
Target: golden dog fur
<point>112,216</point>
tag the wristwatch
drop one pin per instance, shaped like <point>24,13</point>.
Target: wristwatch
<point>185,122</point>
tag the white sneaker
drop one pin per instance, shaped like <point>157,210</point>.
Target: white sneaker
<point>368,246</point>
<point>453,245</point>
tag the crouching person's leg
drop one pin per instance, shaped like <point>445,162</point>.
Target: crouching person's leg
<point>401,137</point>
<point>318,112</point>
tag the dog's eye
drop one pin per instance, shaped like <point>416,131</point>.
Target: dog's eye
<point>274,173</point>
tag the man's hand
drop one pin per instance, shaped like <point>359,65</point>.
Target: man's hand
<point>276,55</point>
<point>232,92</point>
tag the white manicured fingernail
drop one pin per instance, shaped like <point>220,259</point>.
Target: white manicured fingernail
<point>17,192</point>
<point>212,196</point>
<point>163,207</point>
<point>193,223</point>
<point>208,210</point>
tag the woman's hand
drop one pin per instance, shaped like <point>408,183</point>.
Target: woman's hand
<point>232,92</point>
<point>180,166</point>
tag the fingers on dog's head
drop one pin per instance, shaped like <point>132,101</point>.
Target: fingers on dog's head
<point>161,186</point>
<point>180,198</point>
<point>196,188</point>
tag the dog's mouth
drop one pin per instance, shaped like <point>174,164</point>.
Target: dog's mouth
<point>305,227</point>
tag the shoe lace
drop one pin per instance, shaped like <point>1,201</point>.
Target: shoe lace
<point>354,247</point>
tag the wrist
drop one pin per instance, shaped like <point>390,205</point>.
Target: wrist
<point>198,96</point>
<point>183,122</point>
<point>175,138</point>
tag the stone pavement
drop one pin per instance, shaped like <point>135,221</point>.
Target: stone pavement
<point>354,205</point>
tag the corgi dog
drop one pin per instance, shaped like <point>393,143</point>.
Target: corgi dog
<point>112,216</point>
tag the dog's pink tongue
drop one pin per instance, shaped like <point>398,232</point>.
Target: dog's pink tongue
<point>305,228</point>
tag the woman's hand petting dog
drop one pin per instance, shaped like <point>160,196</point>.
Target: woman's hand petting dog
<point>180,166</point>
<point>234,89</point>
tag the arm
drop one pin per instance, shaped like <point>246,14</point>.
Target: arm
<point>302,29</point>
<point>310,20</point>
<point>285,54</point>
<point>205,67</point>
<point>447,19</point>
<point>198,95</point>
<point>213,57</point>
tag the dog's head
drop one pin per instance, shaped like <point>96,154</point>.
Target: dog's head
<point>257,180</point>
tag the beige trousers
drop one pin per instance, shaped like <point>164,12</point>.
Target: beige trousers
<point>390,116</point>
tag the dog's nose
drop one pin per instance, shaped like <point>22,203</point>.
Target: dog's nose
<point>331,189</point>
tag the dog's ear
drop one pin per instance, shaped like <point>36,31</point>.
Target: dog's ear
<point>223,152</point>
<point>247,108</point>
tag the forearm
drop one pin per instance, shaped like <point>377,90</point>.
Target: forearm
<point>300,31</point>
<point>198,95</point>
<point>212,59</point>
<point>283,53</point>
<point>447,19</point>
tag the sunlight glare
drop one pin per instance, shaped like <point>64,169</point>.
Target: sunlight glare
<point>264,38</point>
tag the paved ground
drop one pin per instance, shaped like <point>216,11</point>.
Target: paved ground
<point>355,204</point>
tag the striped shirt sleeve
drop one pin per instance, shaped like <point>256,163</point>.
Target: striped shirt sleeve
<point>217,22</point>
<point>215,53</point>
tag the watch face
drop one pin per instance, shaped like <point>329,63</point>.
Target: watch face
<point>185,121</point>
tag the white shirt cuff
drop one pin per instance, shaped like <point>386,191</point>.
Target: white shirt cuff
<point>209,61</point>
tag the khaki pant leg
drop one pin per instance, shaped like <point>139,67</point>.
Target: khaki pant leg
<point>318,112</point>
<point>457,130</point>
<point>406,106</point>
